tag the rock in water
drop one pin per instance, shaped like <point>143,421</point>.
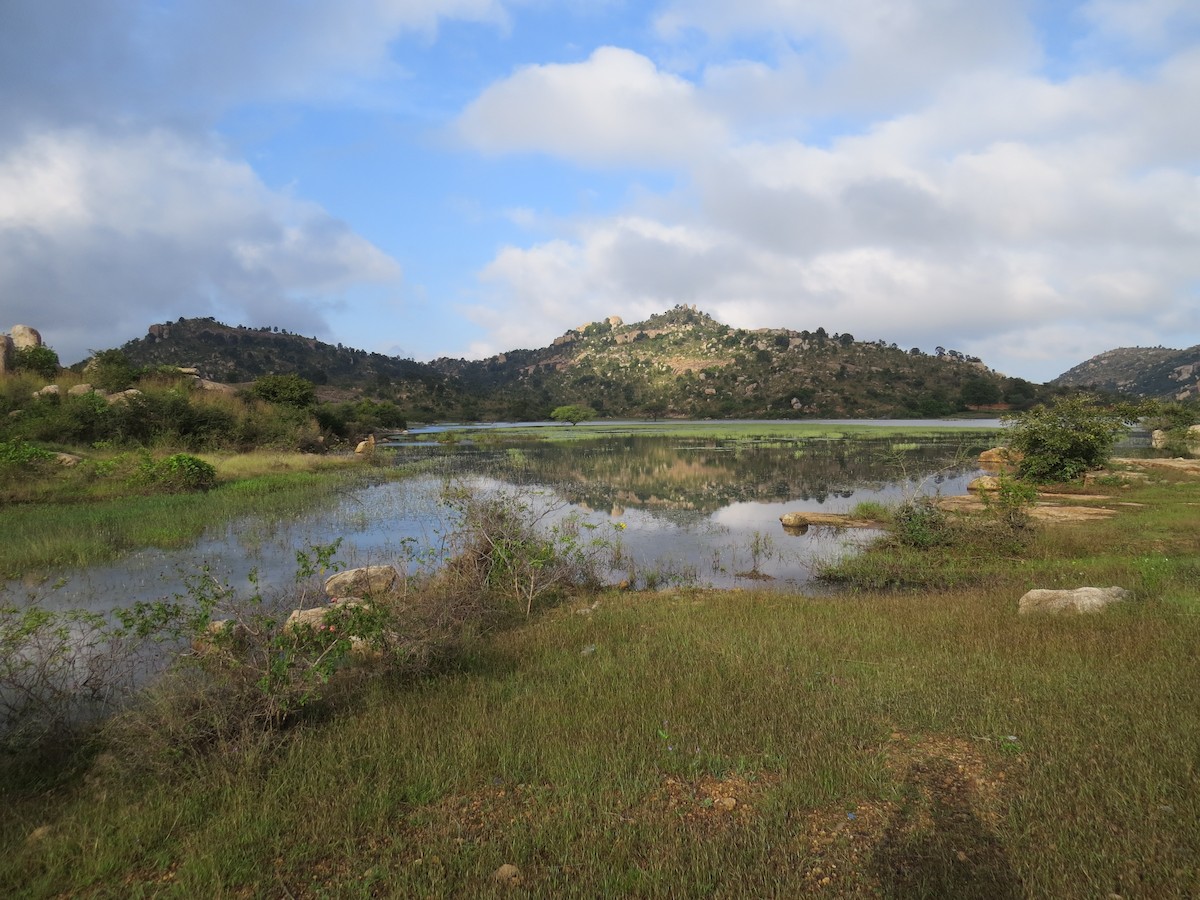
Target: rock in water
<point>370,581</point>
<point>1079,600</point>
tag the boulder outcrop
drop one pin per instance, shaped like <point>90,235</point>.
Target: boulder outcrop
<point>1078,600</point>
<point>24,337</point>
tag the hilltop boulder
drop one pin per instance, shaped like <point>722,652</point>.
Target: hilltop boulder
<point>23,337</point>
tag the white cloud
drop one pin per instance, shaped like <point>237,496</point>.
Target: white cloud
<point>615,108</point>
<point>101,235</point>
<point>863,54</point>
<point>992,210</point>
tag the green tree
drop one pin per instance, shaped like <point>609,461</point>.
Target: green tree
<point>980,392</point>
<point>1061,442</point>
<point>289,390</point>
<point>40,360</point>
<point>573,413</point>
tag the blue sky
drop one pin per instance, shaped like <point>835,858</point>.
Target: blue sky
<point>1016,180</point>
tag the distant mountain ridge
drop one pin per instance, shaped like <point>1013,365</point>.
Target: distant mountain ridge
<point>1159,372</point>
<point>681,362</point>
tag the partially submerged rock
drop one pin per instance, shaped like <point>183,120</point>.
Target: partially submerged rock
<point>368,581</point>
<point>802,520</point>
<point>1077,600</point>
<point>984,483</point>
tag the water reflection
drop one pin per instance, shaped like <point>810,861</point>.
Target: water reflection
<point>699,511</point>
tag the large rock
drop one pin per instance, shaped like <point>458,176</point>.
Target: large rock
<point>124,396</point>
<point>50,390</point>
<point>23,336</point>
<point>984,483</point>
<point>1000,459</point>
<point>370,581</point>
<point>1159,439</point>
<point>1078,600</point>
<point>315,616</point>
<point>801,520</point>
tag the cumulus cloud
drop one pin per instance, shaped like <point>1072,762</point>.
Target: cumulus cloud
<point>119,208</point>
<point>991,211</point>
<point>615,108</point>
<point>102,235</point>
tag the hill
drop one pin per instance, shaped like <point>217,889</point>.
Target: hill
<point>685,363</point>
<point>681,362</point>
<point>236,353</point>
<point>1159,372</point>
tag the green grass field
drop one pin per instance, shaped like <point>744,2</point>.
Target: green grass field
<point>923,743</point>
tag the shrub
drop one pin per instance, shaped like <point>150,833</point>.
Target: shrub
<point>110,370</point>
<point>19,454</point>
<point>177,473</point>
<point>919,523</point>
<point>505,550</point>
<point>41,361</point>
<point>1061,442</point>
<point>289,390</point>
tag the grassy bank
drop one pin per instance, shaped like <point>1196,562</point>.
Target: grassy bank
<point>716,429</point>
<point>83,518</point>
<point>925,743</point>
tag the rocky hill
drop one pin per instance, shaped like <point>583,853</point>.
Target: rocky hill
<point>1159,372</point>
<point>678,363</point>
<point>684,363</point>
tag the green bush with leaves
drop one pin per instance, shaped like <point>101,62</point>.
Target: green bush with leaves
<point>41,361</point>
<point>290,390</point>
<point>111,370</point>
<point>19,454</point>
<point>1063,441</point>
<point>177,473</point>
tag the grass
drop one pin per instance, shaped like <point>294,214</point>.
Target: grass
<point>96,529</point>
<point>931,743</point>
<point>747,431</point>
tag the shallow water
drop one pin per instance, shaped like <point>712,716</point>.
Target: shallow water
<point>684,510</point>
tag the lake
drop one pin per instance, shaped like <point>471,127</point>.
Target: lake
<point>685,510</point>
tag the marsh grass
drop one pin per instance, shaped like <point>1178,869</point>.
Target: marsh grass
<point>49,535</point>
<point>594,772</point>
<point>742,431</point>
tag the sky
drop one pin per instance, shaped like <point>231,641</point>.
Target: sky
<point>1018,179</point>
